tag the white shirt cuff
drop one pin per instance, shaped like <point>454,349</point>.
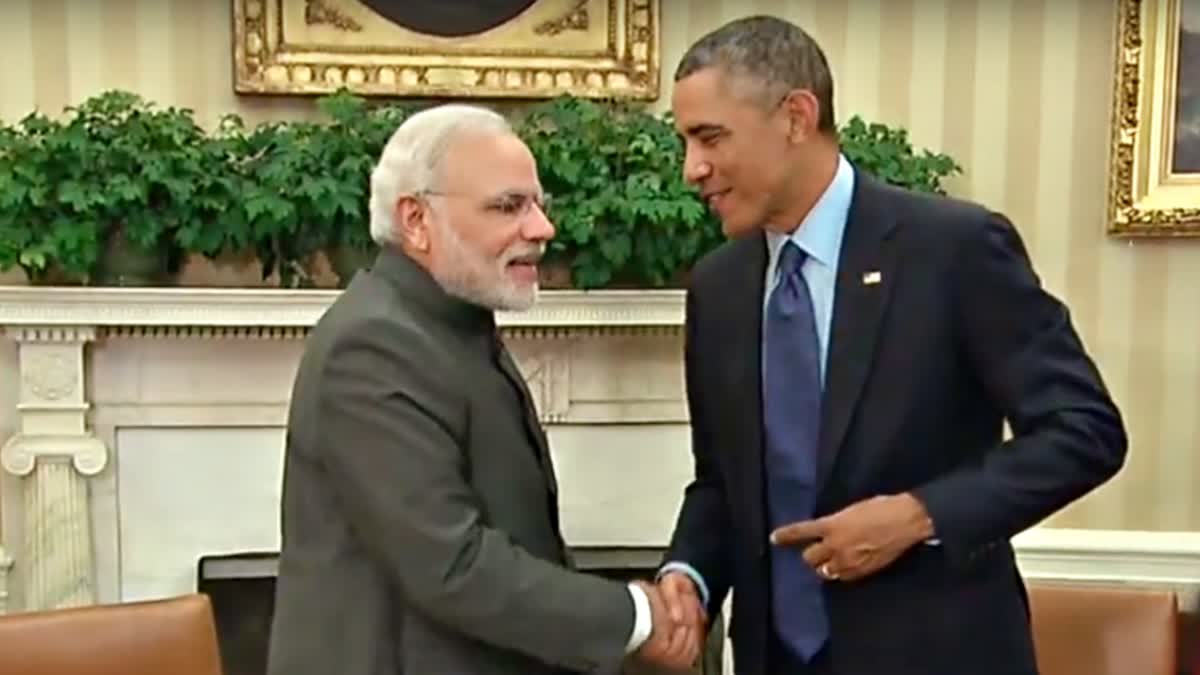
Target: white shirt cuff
<point>643,622</point>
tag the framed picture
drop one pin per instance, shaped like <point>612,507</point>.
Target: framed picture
<point>448,48</point>
<point>1154,187</point>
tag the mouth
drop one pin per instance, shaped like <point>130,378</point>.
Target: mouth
<point>714,198</point>
<point>524,267</point>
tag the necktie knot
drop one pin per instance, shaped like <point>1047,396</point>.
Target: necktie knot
<point>791,258</point>
<point>791,293</point>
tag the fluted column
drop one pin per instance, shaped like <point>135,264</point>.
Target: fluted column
<point>55,453</point>
<point>5,565</point>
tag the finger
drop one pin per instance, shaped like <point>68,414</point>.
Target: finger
<point>689,602</point>
<point>699,614</point>
<point>672,647</point>
<point>672,597</point>
<point>687,599</point>
<point>860,568</point>
<point>818,554</point>
<point>802,533</point>
<point>851,572</point>
<point>681,651</point>
<point>698,636</point>
<point>691,648</point>
<point>658,609</point>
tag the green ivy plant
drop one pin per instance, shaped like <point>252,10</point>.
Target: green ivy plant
<point>119,180</point>
<point>306,185</point>
<point>887,153</point>
<point>115,187</point>
<point>625,217</point>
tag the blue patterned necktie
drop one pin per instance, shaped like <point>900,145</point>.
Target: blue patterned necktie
<point>792,414</point>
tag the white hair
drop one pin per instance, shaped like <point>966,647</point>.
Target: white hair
<point>411,161</point>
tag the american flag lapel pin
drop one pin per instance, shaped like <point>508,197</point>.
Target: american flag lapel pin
<point>871,278</point>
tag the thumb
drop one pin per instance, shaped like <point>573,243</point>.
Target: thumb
<point>670,591</point>
<point>801,533</point>
<point>654,596</point>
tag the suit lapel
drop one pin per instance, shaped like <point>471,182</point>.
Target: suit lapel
<point>866,274</point>
<point>532,424</point>
<point>745,360</point>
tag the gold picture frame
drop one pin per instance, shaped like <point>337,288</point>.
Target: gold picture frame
<point>547,48</point>
<point>1154,177</point>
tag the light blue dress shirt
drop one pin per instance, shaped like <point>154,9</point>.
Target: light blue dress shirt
<point>820,237</point>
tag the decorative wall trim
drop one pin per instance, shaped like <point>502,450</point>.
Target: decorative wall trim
<point>275,308</point>
<point>1152,560</point>
<point>596,48</point>
<point>20,454</point>
<point>1111,556</point>
<point>267,333</point>
<point>54,454</point>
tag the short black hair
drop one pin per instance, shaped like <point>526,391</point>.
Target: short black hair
<point>776,53</point>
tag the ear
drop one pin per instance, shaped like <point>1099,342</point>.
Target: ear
<point>411,219</point>
<point>804,114</point>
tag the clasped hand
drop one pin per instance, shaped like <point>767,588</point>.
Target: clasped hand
<point>679,623</point>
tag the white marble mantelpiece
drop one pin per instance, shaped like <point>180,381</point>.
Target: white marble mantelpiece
<point>150,425</point>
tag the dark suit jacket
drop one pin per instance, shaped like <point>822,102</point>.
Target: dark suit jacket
<point>924,367</point>
<point>420,526</point>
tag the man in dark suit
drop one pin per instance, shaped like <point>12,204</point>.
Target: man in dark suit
<point>420,520</point>
<point>851,358</point>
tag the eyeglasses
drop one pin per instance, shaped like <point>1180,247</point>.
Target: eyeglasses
<point>512,203</point>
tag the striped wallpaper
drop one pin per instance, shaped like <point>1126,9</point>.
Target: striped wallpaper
<point>1016,90</point>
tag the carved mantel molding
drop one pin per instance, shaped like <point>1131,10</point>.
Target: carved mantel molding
<point>272,308</point>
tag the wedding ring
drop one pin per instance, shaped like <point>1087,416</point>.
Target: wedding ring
<point>827,572</point>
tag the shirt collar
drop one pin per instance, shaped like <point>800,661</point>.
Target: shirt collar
<point>820,233</point>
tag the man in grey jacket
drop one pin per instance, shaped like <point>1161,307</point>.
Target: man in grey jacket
<point>420,521</point>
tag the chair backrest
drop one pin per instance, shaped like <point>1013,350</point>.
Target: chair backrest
<point>1091,630</point>
<point>175,636</point>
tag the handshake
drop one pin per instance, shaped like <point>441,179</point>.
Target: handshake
<point>679,623</point>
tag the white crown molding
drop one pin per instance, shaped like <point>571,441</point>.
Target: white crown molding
<point>22,306</point>
<point>1141,558</point>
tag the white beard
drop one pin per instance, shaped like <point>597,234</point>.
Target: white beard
<point>468,274</point>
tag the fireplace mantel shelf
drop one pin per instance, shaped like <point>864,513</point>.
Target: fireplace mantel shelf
<point>233,307</point>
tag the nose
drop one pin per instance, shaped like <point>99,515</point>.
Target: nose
<point>695,167</point>
<point>537,226</point>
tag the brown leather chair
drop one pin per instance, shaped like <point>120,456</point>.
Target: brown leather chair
<point>175,636</point>
<point>1104,630</point>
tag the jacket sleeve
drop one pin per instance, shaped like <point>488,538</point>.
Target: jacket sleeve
<point>700,543</point>
<point>1067,434</point>
<point>390,429</point>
